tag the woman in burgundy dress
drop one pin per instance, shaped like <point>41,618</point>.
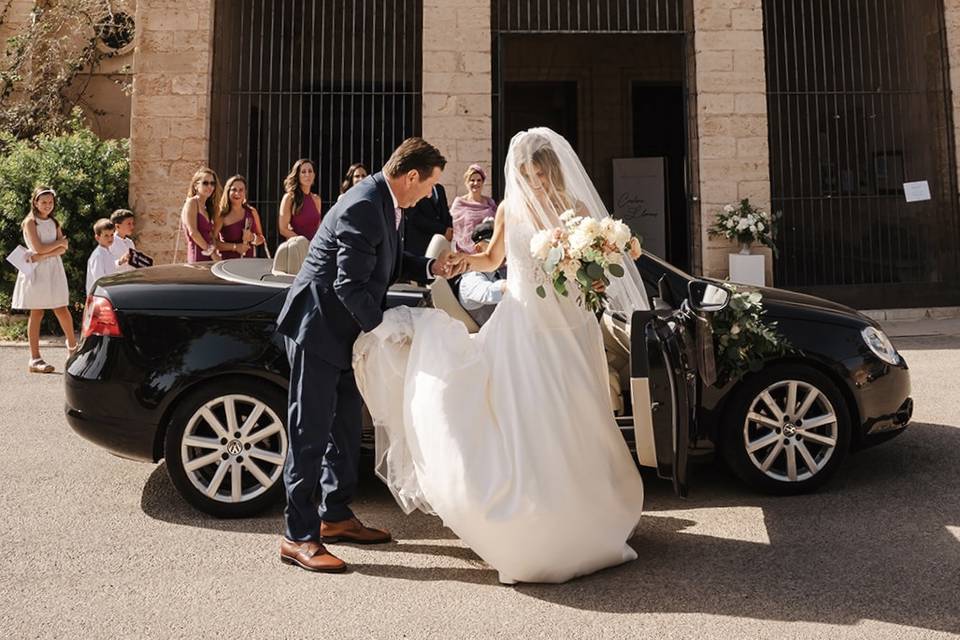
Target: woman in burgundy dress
<point>238,231</point>
<point>198,215</point>
<point>300,207</point>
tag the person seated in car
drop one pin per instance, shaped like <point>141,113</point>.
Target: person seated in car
<point>480,292</point>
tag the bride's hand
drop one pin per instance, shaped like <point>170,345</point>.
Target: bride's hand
<point>599,287</point>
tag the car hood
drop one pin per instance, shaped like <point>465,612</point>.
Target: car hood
<point>783,304</point>
<point>181,287</point>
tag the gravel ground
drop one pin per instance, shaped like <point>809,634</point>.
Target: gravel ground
<point>92,546</point>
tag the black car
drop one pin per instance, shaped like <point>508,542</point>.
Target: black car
<point>182,363</point>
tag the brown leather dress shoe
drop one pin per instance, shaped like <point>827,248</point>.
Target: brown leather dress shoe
<point>352,530</point>
<point>310,555</point>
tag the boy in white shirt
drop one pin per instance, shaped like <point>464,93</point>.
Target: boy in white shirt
<point>101,262</point>
<point>123,223</point>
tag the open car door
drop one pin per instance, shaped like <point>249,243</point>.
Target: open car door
<point>661,401</point>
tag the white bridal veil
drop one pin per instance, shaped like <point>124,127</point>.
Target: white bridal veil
<point>544,178</point>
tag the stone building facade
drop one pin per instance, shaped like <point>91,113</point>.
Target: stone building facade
<point>797,124</point>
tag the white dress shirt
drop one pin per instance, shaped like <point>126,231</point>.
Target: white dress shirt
<point>480,293</point>
<point>120,248</point>
<point>101,263</point>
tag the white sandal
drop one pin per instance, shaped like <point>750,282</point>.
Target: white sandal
<point>37,365</point>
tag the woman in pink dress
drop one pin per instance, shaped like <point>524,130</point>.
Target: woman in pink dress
<point>300,207</point>
<point>237,229</point>
<point>471,209</point>
<point>199,214</point>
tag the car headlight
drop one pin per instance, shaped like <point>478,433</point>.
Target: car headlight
<point>880,345</point>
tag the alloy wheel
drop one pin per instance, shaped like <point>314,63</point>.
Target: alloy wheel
<point>790,431</point>
<point>238,436</point>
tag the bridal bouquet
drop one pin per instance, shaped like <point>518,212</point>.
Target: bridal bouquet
<point>583,253</point>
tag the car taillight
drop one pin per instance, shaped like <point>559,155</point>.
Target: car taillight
<point>99,318</point>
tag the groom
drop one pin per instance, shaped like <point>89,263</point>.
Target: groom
<point>355,256</point>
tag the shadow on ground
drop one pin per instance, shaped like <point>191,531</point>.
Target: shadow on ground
<point>874,544</point>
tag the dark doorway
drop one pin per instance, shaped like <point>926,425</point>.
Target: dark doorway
<point>658,131</point>
<point>541,104</point>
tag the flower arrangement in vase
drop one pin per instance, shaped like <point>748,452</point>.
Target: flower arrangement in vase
<point>746,224</point>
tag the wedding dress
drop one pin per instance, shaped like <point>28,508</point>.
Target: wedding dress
<point>507,435</point>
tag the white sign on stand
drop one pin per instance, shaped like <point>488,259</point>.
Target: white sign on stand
<point>747,269</point>
<point>640,199</point>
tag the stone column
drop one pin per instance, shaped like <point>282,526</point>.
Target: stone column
<point>457,81</point>
<point>952,24</point>
<point>731,117</point>
<point>170,115</point>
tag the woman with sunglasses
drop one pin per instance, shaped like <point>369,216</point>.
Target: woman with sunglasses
<point>199,214</point>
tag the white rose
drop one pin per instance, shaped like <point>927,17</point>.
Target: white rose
<point>567,216</point>
<point>621,234</point>
<point>742,225</point>
<point>540,245</point>
<point>728,208</point>
<point>590,226</point>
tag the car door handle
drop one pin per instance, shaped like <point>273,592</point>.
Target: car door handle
<point>654,406</point>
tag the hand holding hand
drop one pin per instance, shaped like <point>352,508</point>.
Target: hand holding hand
<point>458,262</point>
<point>634,250</point>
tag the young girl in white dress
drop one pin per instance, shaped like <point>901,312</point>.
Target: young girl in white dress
<point>46,287</point>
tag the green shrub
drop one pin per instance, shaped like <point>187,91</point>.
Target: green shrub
<point>90,177</point>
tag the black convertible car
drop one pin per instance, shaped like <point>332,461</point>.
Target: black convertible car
<point>182,363</point>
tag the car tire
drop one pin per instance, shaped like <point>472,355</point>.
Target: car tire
<point>245,462</point>
<point>758,444</point>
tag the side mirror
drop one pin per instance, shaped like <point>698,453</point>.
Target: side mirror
<point>706,296</point>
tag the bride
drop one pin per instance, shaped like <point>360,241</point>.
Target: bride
<point>509,435</point>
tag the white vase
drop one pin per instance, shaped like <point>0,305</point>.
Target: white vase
<point>745,248</point>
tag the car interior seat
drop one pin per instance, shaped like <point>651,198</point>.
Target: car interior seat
<point>290,255</point>
<point>440,291</point>
<point>616,344</point>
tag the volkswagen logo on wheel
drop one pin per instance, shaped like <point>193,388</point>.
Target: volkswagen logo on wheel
<point>235,448</point>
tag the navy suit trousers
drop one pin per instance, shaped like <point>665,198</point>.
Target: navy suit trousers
<point>323,436</point>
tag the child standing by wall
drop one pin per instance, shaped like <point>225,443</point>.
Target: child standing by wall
<point>46,287</point>
<point>123,223</point>
<point>101,262</point>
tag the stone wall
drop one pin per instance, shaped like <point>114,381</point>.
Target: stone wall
<point>170,115</point>
<point>731,116</point>
<point>457,81</point>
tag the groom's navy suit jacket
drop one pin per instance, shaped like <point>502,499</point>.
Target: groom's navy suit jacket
<point>340,290</point>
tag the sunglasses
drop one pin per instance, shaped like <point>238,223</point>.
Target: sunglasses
<point>208,183</point>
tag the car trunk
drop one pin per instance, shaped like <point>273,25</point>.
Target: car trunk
<point>184,287</point>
